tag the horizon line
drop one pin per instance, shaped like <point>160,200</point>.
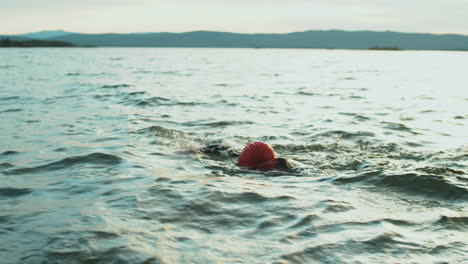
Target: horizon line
<point>231,32</point>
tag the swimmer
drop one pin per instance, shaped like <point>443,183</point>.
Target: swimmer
<point>259,155</point>
<point>256,155</point>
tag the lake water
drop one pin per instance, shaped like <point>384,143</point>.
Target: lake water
<point>98,160</point>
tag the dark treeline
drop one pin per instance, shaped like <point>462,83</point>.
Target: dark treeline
<point>4,43</point>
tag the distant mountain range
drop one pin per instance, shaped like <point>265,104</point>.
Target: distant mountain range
<point>324,39</point>
<point>45,34</point>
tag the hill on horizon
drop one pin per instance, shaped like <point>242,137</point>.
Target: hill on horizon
<point>45,34</point>
<point>324,39</point>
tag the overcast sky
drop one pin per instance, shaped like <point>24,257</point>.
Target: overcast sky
<point>243,16</point>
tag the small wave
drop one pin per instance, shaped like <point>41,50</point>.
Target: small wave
<point>356,97</point>
<point>290,148</point>
<point>9,152</point>
<point>11,110</point>
<point>453,222</point>
<point>102,96</point>
<point>344,134</point>
<point>127,98</point>
<point>153,101</point>
<point>427,111</point>
<point>8,98</point>
<point>440,170</point>
<point>100,74</point>
<point>217,123</point>
<point>5,67</point>
<point>432,185</point>
<point>159,101</point>
<point>245,197</point>
<point>412,183</point>
<point>347,114</point>
<point>94,158</point>
<point>450,249</point>
<point>357,178</point>
<point>412,144</point>
<point>457,155</point>
<point>123,85</point>
<point>361,118</point>
<point>191,103</point>
<point>308,93</point>
<point>162,131</point>
<point>330,252</point>
<point>399,127</point>
<point>176,73</point>
<point>227,103</point>
<point>267,225</point>
<point>399,222</point>
<point>333,227</point>
<point>385,240</point>
<point>6,165</point>
<point>337,208</point>
<point>169,72</point>
<point>14,192</point>
<point>170,137</point>
<point>225,85</point>
<point>310,254</point>
<point>209,210</point>
<point>306,221</point>
<point>136,93</point>
<point>346,248</point>
<point>326,107</point>
<point>355,116</point>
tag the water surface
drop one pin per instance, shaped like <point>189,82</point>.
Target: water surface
<point>98,158</point>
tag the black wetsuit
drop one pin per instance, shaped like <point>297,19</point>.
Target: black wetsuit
<point>284,165</point>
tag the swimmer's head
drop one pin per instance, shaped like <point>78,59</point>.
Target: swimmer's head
<point>259,155</point>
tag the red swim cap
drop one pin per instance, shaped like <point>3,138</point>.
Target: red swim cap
<point>258,155</point>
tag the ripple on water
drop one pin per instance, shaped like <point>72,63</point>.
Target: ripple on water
<point>93,158</point>
<point>5,67</point>
<point>8,153</point>
<point>332,206</point>
<point>205,123</point>
<point>14,192</point>
<point>136,100</point>
<point>399,127</point>
<point>12,110</point>
<point>434,186</point>
<point>114,86</point>
<point>453,222</point>
<point>350,251</point>
<point>344,134</point>
<point>10,98</point>
<point>6,165</point>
